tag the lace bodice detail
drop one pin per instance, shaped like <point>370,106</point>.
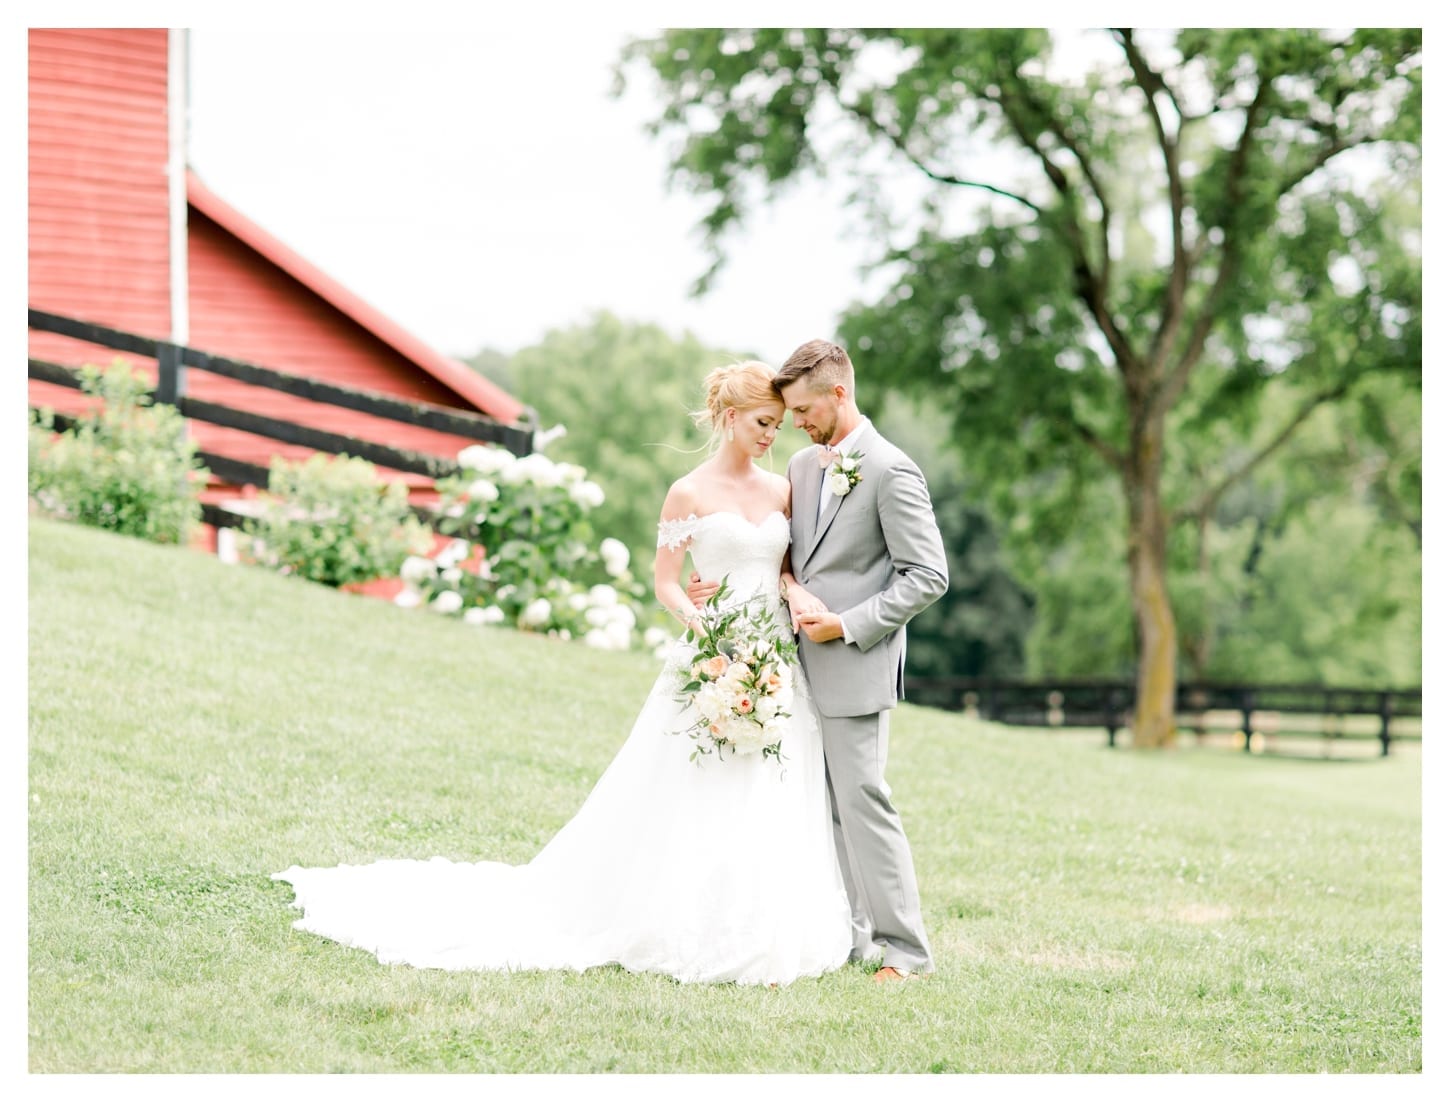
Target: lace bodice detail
<point>727,543</point>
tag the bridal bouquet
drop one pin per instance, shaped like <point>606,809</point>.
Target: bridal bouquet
<point>737,685</point>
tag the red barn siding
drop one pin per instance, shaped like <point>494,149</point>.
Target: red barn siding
<point>99,239</point>
<point>100,250</point>
<point>245,307</point>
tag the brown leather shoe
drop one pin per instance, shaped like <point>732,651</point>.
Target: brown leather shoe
<point>892,975</point>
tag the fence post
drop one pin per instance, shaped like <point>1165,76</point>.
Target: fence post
<point>1247,706</point>
<point>170,373</point>
<point>1387,710</point>
<point>1111,717</point>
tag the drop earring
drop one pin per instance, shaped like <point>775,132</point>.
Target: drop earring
<point>730,434</point>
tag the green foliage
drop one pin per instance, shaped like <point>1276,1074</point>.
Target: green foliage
<point>980,626</point>
<point>1146,277</point>
<point>524,552</point>
<point>330,520</point>
<point>128,466</point>
<point>1333,598</point>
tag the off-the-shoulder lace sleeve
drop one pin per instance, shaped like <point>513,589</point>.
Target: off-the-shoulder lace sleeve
<point>675,532</point>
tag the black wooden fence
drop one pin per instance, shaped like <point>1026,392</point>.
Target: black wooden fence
<point>173,362</point>
<point>1249,712</point>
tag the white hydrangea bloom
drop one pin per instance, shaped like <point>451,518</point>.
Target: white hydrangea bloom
<point>481,489</point>
<point>536,613</point>
<point>587,494</point>
<point>447,602</point>
<point>615,556</point>
<point>485,459</point>
<point>417,569</point>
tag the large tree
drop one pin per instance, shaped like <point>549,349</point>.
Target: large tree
<point>1097,265</point>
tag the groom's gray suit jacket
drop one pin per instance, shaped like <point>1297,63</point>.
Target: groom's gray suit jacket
<point>876,559</point>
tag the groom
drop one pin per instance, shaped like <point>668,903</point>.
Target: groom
<point>866,556</point>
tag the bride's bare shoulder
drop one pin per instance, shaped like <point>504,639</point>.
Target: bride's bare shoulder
<point>682,499</point>
<point>779,487</point>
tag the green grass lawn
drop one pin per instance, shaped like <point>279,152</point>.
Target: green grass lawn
<point>194,727</point>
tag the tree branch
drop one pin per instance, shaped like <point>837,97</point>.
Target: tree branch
<point>1092,286</point>
<point>898,142</point>
<point>1152,83</point>
<point>1114,458</point>
<point>1210,497</point>
<point>1170,389</point>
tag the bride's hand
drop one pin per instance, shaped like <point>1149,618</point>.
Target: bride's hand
<point>801,602</point>
<point>699,591</point>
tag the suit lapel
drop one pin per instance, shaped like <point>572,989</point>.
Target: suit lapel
<point>807,497</point>
<point>833,506</point>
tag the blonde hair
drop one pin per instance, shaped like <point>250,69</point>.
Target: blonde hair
<point>743,385</point>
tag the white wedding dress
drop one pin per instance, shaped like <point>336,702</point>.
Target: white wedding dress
<point>722,870</point>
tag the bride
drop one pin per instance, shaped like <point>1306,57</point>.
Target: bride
<point>711,871</point>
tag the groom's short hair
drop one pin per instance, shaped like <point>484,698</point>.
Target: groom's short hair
<point>821,364</point>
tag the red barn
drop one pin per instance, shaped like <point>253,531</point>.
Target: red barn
<point>124,235</point>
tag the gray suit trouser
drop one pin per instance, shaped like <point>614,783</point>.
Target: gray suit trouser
<point>871,845</point>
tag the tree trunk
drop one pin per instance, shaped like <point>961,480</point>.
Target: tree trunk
<point>1198,647</point>
<point>1154,723</point>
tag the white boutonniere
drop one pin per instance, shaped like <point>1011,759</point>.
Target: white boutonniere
<point>844,473</point>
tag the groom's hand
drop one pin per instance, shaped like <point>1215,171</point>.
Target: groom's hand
<point>801,602</point>
<point>821,627</point>
<point>699,591</point>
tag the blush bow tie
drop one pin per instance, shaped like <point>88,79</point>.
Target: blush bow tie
<point>827,455</point>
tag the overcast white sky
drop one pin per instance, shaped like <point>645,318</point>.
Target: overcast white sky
<point>481,186</point>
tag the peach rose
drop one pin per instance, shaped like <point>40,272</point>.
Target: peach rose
<point>745,705</point>
<point>714,667</point>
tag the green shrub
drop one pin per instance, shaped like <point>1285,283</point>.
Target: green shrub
<point>128,466</point>
<point>525,553</point>
<point>331,520</point>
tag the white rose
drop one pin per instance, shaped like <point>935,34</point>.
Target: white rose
<point>840,485</point>
<point>417,569</point>
<point>587,494</point>
<point>615,556</point>
<point>766,708</point>
<point>745,734</point>
<point>408,598</point>
<point>848,463</point>
<point>447,602</point>
<point>571,474</point>
<point>712,703</point>
<point>602,596</point>
<point>536,613</point>
<point>489,614</point>
<point>481,489</point>
<point>578,602</point>
<point>452,575</point>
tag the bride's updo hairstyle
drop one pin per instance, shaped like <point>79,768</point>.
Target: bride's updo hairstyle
<point>743,385</point>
